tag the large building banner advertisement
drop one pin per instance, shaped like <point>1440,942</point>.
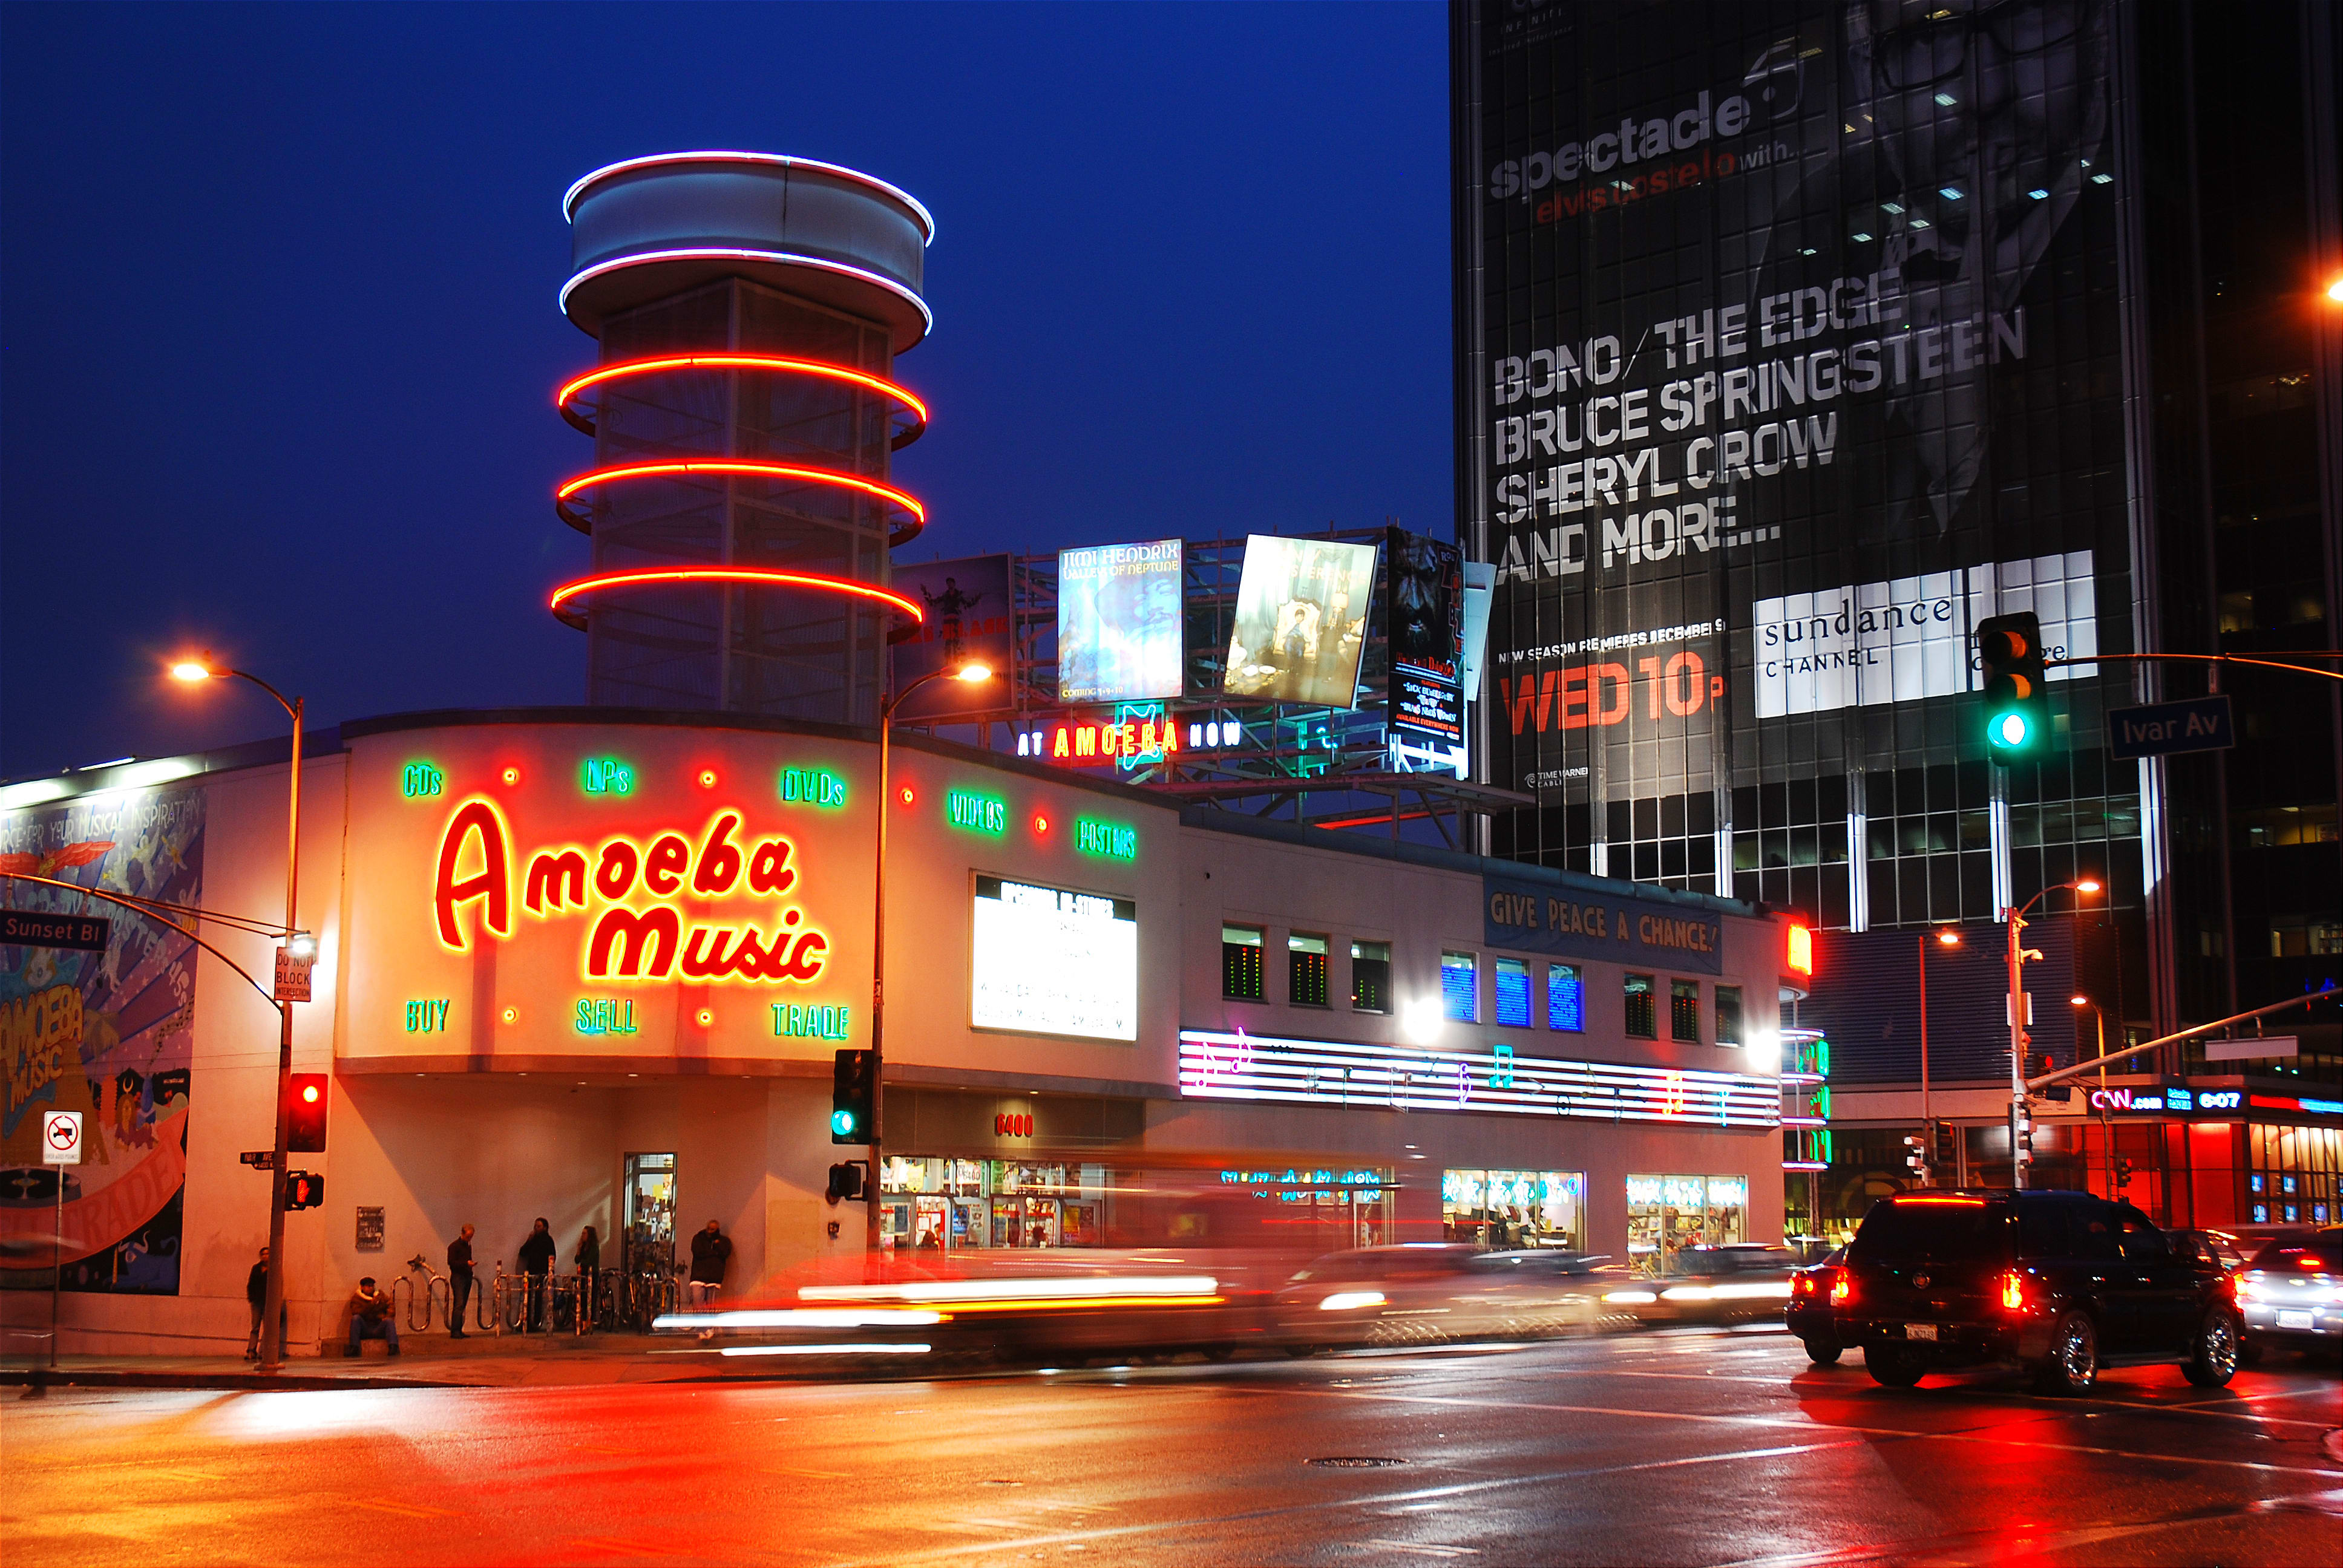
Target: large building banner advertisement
<point>1301,621</point>
<point>1119,634</point>
<point>1787,309</point>
<point>109,1034</point>
<point>970,618</point>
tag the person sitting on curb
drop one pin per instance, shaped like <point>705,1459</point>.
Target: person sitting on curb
<point>371,1317</point>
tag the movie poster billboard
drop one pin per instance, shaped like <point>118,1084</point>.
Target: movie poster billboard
<point>1424,588</point>
<point>1121,638</point>
<point>109,1034</point>
<point>971,617</point>
<point>1795,320</point>
<point>1301,621</point>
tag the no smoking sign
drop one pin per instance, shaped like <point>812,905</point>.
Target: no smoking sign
<point>61,1137</point>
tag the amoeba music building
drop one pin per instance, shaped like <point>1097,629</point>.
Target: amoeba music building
<point>592,965</point>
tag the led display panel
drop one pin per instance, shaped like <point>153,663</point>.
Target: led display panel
<point>1301,622</point>
<point>1120,635</point>
<point>1051,961</point>
<point>1423,583</point>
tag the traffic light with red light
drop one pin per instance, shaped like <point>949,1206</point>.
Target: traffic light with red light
<point>305,1114</point>
<point>2009,662</point>
<point>304,1189</point>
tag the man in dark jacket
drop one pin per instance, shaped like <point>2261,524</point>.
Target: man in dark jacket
<point>371,1317</point>
<point>537,1263</point>
<point>460,1281</point>
<point>256,1292</point>
<point>711,1248</point>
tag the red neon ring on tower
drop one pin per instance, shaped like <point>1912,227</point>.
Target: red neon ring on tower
<point>745,576</point>
<point>901,534</point>
<point>911,433</point>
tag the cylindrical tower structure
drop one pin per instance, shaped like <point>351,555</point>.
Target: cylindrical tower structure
<point>744,413</point>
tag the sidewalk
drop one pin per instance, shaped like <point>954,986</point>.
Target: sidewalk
<point>432,1360</point>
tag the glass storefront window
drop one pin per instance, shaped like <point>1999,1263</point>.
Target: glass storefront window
<point>943,1204</point>
<point>1504,1210</point>
<point>1666,1215</point>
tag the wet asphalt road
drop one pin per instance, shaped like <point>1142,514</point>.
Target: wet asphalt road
<point>1684,1448</point>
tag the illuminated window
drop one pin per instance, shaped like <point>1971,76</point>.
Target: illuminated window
<point>1460,988</point>
<point>1512,993</point>
<point>1684,1011</point>
<point>1306,968</point>
<point>1566,998</point>
<point>1370,976</point>
<point>1643,1020</point>
<point>1240,979</point>
<point>1728,1015</point>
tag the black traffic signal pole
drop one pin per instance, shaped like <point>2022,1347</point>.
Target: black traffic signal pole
<point>2097,1062</point>
<point>2204,658</point>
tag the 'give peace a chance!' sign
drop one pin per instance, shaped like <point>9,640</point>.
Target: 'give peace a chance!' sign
<point>1542,917</point>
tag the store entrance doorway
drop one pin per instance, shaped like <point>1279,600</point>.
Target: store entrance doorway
<point>647,1285</point>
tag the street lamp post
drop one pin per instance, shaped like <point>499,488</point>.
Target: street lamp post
<point>1950,939</point>
<point>970,672</point>
<point>2105,1125</point>
<point>272,1347</point>
<point>2018,954</point>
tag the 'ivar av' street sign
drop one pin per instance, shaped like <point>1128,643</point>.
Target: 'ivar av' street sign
<point>2161,729</point>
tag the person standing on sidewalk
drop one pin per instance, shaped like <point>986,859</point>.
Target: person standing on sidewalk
<point>712,1250</point>
<point>537,1263</point>
<point>460,1281</point>
<point>256,1293</point>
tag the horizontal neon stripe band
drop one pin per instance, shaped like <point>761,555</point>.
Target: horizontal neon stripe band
<point>1220,1066</point>
<point>737,253</point>
<point>747,577</point>
<point>740,362</point>
<point>626,166</point>
<point>742,466</point>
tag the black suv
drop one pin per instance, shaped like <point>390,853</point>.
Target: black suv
<point>2061,1283</point>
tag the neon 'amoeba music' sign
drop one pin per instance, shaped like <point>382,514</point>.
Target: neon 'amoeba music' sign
<point>630,896</point>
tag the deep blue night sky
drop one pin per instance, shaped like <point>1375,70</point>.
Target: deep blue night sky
<point>278,335</point>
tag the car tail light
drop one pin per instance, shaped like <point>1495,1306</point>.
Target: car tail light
<point>2013,1290</point>
<point>1803,1285</point>
<point>1842,1289</point>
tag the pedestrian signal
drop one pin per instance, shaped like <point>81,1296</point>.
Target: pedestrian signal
<point>303,1190</point>
<point>846,1181</point>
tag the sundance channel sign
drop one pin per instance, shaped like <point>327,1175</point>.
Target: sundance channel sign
<point>706,910</point>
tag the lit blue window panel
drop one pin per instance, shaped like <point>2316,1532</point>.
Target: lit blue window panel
<point>1512,993</point>
<point>1460,1001</point>
<point>1566,998</point>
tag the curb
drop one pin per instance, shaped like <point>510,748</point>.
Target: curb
<point>37,1381</point>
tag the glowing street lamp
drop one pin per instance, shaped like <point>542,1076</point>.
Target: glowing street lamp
<point>299,944</point>
<point>1948,936</point>
<point>971,673</point>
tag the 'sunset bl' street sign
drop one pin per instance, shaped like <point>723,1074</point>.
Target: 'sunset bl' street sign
<point>32,929</point>
<point>2161,729</point>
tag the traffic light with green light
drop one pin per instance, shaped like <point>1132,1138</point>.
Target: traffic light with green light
<point>2009,660</point>
<point>854,1096</point>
